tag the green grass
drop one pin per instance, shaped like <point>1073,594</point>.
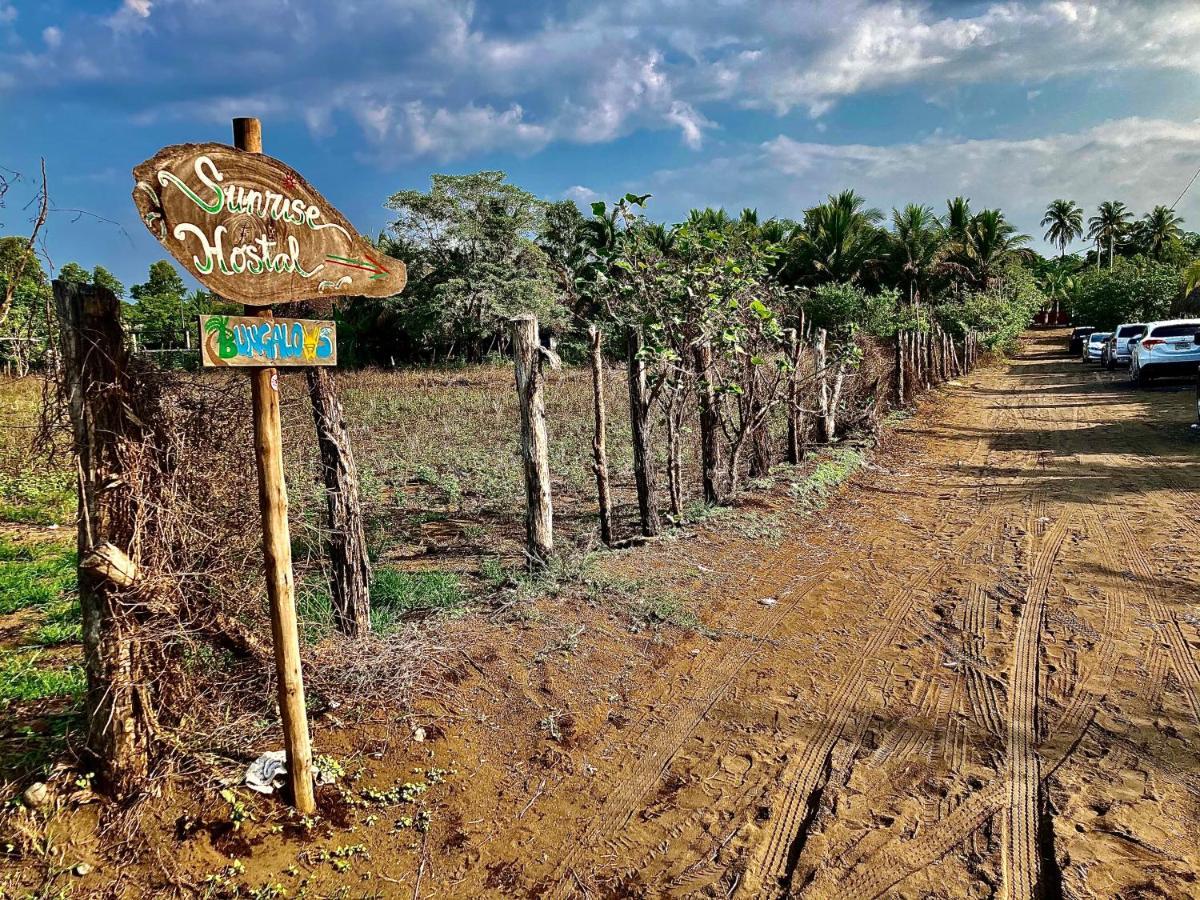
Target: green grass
<point>24,678</point>
<point>813,491</point>
<point>396,594</point>
<point>38,574</point>
<point>37,498</point>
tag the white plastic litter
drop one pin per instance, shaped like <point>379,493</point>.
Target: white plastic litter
<point>768,601</point>
<point>268,773</point>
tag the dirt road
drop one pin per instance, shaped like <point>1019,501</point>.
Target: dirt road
<point>978,677</point>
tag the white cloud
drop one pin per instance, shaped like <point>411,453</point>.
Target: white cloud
<point>584,197</point>
<point>1142,162</point>
<point>8,13</point>
<point>52,36</point>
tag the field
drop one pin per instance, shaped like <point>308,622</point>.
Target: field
<point>957,663</point>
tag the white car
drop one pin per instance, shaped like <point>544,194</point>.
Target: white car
<point>1165,348</point>
<point>1093,346</point>
<point>1116,352</point>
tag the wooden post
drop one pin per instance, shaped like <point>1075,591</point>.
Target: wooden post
<point>794,450</point>
<point>599,441</point>
<point>535,446</point>
<point>121,666</point>
<point>277,546</point>
<point>643,454</point>
<point>899,368</point>
<point>710,424</point>
<point>826,422</point>
<point>350,575</point>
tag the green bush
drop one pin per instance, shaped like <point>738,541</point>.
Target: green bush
<point>1133,291</point>
<point>998,314</point>
<point>838,306</point>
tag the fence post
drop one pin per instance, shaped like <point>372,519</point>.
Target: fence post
<point>120,664</point>
<point>535,446</point>
<point>599,445</point>
<point>794,422</point>
<point>351,567</point>
<point>899,368</point>
<point>643,454</point>
<point>710,424</point>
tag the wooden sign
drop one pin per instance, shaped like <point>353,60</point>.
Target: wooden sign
<point>250,229</point>
<point>255,341</point>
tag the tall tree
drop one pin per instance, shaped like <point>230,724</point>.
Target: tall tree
<point>1157,230</point>
<point>1109,227</point>
<point>1063,222</point>
<point>991,243</point>
<point>917,246</point>
<point>839,239</point>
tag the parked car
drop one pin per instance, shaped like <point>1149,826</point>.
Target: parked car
<point>1077,336</point>
<point>1093,347</point>
<point>1116,348</point>
<point>1165,348</point>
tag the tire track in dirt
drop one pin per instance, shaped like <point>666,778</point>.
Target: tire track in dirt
<point>802,776</point>
<point>1021,854</point>
<point>1165,623</point>
<point>982,698</point>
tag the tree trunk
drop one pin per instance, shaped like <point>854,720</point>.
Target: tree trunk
<point>350,567</point>
<point>643,453</point>
<point>121,664</point>
<point>674,417</point>
<point>599,445</point>
<point>795,449</point>
<point>710,424</point>
<point>535,445</point>
<point>760,435</point>
<point>826,422</point>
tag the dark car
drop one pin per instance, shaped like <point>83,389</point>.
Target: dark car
<point>1078,335</point>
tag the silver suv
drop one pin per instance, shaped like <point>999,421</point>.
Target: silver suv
<point>1116,348</point>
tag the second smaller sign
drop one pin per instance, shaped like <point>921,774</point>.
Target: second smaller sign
<point>254,341</point>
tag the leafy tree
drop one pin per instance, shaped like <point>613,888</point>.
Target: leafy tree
<point>163,313</point>
<point>917,249</point>
<point>1129,292</point>
<point>1063,222</point>
<point>77,274</point>
<point>839,240</point>
<point>1157,230</point>
<point>474,262</point>
<point>990,244</point>
<point>23,335</point>
<point>842,308</point>
<point>1109,227</point>
<point>999,312</point>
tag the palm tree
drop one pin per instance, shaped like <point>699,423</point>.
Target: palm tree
<point>917,246</point>
<point>1109,226</point>
<point>839,239</point>
<point>957,218</point>
<point>1064,219</point>
<point>991,242</point>
<point>1158,229</point>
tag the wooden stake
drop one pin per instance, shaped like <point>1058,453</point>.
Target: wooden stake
<point>899,368</point>
<point>277,546</point>
<point>535,445</point>
<point>599,444</point>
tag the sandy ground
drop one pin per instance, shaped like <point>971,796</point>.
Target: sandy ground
<point>972,674</point>
<point>979,679</point>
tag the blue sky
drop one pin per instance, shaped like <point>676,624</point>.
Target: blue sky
<point>764,104</point>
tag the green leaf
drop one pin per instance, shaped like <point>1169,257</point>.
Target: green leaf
<point>598,208</point>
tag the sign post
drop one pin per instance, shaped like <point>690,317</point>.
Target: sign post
<point>252,230</point>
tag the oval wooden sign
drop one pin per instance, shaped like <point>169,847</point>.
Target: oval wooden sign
<point>250,229</point>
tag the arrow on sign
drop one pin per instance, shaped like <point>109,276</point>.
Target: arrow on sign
<point>368,265</point>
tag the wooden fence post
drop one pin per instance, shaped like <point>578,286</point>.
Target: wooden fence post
<point>599,444</point>
<point>120,664</point>
<point>899,368</point>
<point>535,445</point>
<point>643,454</point>
<point>350,580</point>
<point>794,422</point>
<point>710,447</point>
<point>277,546</point>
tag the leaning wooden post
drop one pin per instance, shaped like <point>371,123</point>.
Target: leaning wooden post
<point>119,663</point>
<point>899,368</point>
<point>350,577</point>
<point>599,441</point>
<point>535,446</point>
<point>793,412</point>
<point>277,545</point>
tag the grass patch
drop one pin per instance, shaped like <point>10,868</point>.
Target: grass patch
<point>34,575</point>
<point>830,474</point>
<point>396,594</point>
<point>23,678</point>
<point>37,498</point>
